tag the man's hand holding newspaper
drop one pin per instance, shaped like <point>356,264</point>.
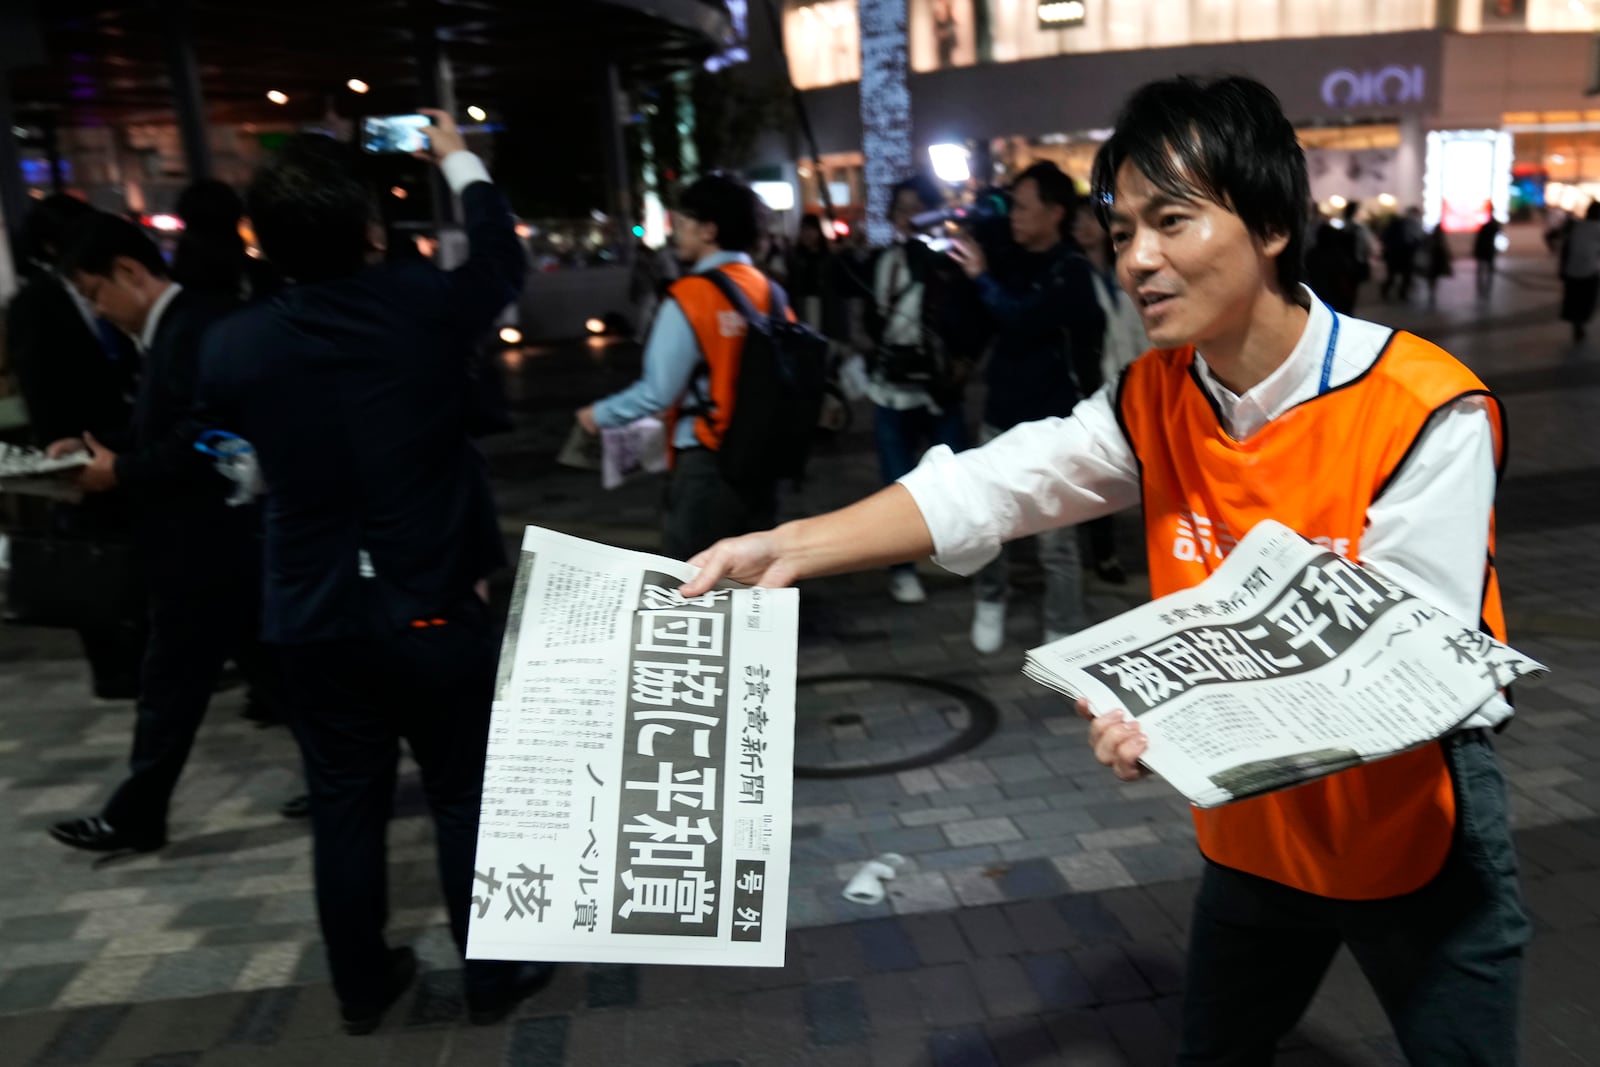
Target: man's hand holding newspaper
<point>32,472</point>
<point>1288,664</point>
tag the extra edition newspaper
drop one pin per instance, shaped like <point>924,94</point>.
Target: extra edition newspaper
<point>638,789</point>
<point>30,472</point>
<point>1287,664</point>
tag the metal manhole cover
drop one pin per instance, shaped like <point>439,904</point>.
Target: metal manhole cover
<point>852,725</point>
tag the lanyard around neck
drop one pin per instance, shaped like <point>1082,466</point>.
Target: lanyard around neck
<point>1327,359</point>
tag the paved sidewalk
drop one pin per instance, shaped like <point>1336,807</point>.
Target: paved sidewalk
<point>1040,920</point>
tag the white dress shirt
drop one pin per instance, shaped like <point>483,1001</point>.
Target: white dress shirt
<point>152,321</point>
<point>1428,532</point>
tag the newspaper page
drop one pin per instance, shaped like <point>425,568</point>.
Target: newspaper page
<point>619,453</point>
<point>640,447</point>
<point>1287,664</point>
<point>20,461</point>
<point>31,472</point>
<point>638,788</point>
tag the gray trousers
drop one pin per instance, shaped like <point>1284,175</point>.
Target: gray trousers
<point>1444,960</point>
<point>1062,563</point>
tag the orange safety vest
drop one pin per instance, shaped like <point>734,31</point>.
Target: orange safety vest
<point>720,330</point>
<point>1381,829</point>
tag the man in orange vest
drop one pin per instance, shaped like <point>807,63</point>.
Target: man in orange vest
<point>1260,402</point>
<point>691,369</point>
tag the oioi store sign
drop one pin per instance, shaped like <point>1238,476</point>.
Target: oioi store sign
<point>1385,87</point>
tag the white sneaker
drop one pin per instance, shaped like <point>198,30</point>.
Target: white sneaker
<point>989,626</point>
<point>906,587</point>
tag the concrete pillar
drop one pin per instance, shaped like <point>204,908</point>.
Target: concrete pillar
<point>435,88</point>
<point>187,100</point>
<point>1410,159</point>
<point>52,151</point>
<point>13,191</point>
<point>688,151</point>
<point>613,113</point>
<point>885,109</point>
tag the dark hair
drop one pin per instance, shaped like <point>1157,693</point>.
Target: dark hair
<point>210,254</point>
<point>310,209</point>
<point>210,206</point>
<point>1350,209</point>
<point>1592,212</point>
<point>1225,140</point>
<point>927,192</point>
<point>94,243</point>
<point>45,229</point>
<point>1054,188</point>
<point>730,205</point>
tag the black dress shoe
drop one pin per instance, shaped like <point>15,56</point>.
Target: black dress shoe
<point>296,807</point>
<point>402,970</point>
<point>524,982</point>
<point>94,834</point>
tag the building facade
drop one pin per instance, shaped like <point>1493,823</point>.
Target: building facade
<point>1460,106</point>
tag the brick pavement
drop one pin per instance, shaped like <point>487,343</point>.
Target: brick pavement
<point>1039,920</point>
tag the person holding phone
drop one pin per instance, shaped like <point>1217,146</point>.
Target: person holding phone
<point>353,387</point>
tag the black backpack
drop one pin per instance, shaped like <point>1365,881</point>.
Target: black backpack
<point>778,398</point>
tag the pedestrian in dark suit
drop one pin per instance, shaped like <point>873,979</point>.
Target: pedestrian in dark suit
<point>77,373</point>
<point>201,557</point>
<point>353,386</point>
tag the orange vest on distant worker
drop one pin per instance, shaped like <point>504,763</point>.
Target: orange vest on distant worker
<point>720,330</point>
<point>1381,829</point>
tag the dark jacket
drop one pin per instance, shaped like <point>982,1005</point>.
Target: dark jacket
<point>72,378</point>
<point>815,276</point>
<point>221,266</point>
<point>356,396</point>
<point>187,533</point>
<point>1048,323</point>
<point>952,316</point>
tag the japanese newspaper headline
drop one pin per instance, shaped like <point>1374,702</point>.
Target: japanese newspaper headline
<point>638,788</point>
<point>1286,664</point>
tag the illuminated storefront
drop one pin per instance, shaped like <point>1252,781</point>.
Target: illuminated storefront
<point>1397,102</point>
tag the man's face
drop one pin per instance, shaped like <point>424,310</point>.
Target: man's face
<point>1192,268</point>
<point>907,206</point>
<point>1035,225</point>
<point>119,297</point>
<point>693,237</point>
<point>1086,229</point>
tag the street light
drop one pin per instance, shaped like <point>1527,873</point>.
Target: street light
<point>356,85</point>
<point>277,96</point>
<point>476,113</point>
<point>951,162</point>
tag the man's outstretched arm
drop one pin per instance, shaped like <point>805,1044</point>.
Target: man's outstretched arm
<point>887,527</point>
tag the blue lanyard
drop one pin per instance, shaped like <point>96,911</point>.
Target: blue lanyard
<point>1327,360</point>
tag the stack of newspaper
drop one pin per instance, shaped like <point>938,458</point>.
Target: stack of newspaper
<point>30,472</point>
<point>1287,664</point>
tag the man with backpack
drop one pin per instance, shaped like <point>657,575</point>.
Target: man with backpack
<point>739,385</point>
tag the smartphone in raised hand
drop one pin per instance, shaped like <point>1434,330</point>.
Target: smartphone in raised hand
<point>394,133</point>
